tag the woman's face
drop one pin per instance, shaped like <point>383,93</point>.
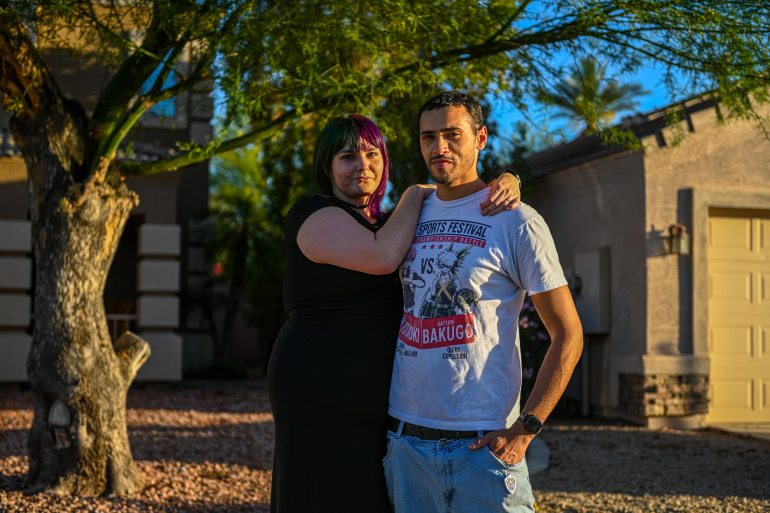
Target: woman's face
<point>356,174</point>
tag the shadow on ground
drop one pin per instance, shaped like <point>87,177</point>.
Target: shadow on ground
<point>246,444</point>
<point>200,449</point>
<point>630,460</point>
<point>219,397</point>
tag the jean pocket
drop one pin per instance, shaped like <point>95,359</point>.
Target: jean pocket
<point>390,439</point>
<point>497,459</point>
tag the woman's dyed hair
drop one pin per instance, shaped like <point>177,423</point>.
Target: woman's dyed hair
<point>354,131</point>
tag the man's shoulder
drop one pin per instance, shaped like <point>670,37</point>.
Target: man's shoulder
<point>508,220</point>
<point>512,221</point>
<point>520,216</point>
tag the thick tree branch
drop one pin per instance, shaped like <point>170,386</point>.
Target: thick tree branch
<point>108,144</point>
<point>39,110</point>
<point>25,81</point>
<point>116,131</point>
<point>132,351</point>
<point>569,31</point>
<point>202,153</point>
<point>160,37</point>
<point>507,24</point>
<point>131,74</point>
<point>140,107</point>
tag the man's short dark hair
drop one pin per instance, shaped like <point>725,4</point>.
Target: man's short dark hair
<point>456,99</point>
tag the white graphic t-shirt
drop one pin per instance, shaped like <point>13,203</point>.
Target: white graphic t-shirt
<point>458,364</point>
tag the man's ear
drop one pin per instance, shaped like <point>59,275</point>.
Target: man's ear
<point>481,138</point>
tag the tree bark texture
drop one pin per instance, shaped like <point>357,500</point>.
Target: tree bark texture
<point>78,443</point>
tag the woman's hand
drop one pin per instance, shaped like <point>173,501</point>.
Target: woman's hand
<point>504,194</point>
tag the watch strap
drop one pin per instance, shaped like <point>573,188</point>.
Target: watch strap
<point>531,423</point>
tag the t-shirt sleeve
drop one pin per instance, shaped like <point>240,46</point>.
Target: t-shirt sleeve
<point>534,260</point>
<point>301,210</point>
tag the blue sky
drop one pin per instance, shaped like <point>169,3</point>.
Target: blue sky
<point>650,77</point>
<point>506,115</point>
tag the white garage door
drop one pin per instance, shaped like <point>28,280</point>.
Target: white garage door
<point>739,315</point>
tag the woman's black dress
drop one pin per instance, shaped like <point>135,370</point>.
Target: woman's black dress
<point>328,378</point>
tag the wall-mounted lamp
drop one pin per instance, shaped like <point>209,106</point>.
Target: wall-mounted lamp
<point>575,284</point>
<point>678,240</point>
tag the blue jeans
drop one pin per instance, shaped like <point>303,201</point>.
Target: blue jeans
<point>444,476</point>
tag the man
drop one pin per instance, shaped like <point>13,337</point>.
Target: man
<point>457,372</point>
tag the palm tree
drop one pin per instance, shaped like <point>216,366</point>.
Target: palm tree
<point>237,188</point>
<point>252,188</point>
<point>588,96</point>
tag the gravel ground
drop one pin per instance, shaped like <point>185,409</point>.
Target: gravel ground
<point>601,467</point>
<point>209,450</point>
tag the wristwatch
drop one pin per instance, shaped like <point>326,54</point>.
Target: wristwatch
<point>532,423</point>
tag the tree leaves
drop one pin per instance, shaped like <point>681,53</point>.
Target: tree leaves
<point>590,97</point>
<point>312,57</point>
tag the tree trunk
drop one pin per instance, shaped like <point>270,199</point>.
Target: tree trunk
<point>78,443</point>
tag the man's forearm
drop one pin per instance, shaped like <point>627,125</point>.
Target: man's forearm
<point>510,444</point>
<point>560,318</point>
<point>557,311</point>
<point>554,375</point>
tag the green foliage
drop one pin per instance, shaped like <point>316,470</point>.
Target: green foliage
<point>286,175</point>
<point>316,58</point>
<point>287,66</point>
<point>247,208</point>
<point>589,97</point>
<point>384,59</point>
<point>620,137</point>
<point>238,199</point>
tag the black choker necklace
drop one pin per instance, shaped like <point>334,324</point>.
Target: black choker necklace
<point>352,205</point>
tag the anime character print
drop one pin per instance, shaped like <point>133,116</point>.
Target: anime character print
<point>410,281</point>
<point>445,297</point>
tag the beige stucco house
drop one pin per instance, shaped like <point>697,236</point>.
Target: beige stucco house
<point>161,257</point>
<point>668,253</point>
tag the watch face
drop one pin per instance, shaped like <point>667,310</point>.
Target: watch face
<point>532,424</point>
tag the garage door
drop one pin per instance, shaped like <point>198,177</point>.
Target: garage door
<point>739,315</point>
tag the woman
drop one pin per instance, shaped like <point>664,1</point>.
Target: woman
<point>329,373</point>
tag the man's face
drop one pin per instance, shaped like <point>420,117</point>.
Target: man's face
<point>449,146</point>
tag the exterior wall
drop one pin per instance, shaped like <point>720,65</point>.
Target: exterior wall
<point>14,193</point>
<point>601,204</point>
<point>653,364</point>
<point>158,303</point>
<point>158,196</point>
<point>15,298</point>
<point>664,395</point>
<point>713,166</point>
<point>147,286</point>
<point>728,158</point>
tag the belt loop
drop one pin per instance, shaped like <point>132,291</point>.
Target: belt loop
<point>400,428</point>
<point>480,433</point>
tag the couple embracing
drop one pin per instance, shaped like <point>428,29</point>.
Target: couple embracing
<point>394,382</point>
